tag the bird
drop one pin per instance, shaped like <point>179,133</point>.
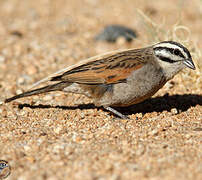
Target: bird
<point>119,79</point>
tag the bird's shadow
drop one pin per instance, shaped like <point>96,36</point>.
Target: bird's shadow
<point>156,104</point>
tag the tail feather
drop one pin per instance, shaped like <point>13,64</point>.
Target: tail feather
<point>54,87</point>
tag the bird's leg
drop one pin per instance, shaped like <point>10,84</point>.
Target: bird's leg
<point>115,112</point>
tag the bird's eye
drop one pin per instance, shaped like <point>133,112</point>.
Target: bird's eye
<point>177,52</point>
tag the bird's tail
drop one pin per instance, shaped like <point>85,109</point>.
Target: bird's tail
<point>54,87</point>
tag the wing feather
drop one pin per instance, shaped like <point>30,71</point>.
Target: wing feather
<point>109,68</point>
<point>104,71</point>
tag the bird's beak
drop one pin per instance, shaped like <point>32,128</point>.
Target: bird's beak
<point>189,63</point>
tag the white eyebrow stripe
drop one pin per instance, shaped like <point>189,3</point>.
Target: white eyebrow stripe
<point>168,45</point>
<point>172,46</point>
<point>163,52</point>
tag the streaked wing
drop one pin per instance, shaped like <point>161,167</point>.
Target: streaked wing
<point>109,70</point>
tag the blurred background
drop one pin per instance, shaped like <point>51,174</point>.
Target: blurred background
<point>39,37</point>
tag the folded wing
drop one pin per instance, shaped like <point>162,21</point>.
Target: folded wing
<point>111,70</point>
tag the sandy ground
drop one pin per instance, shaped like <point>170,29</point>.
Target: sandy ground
<point>63,136</point>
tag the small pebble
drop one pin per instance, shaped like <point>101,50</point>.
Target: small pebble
<point>17,33</point>
<point>57,148</point>
<point>19,91</point>
<point>47,98</point>
<point>139,115</point>
<point>154,132</point>
<point>198,129</point>
<point>188,136</point>
<point>58,129</point>
<point>174,111</point>
<point>27,148</point>
<point>21,80</point>
<point>2,59</point>
<point>121,40</point>
<point>141,149</point>
<point>30,159</point>
<point>32,70</point>
<point>112,32</point>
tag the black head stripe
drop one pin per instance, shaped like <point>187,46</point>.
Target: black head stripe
<point>166,59</point>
